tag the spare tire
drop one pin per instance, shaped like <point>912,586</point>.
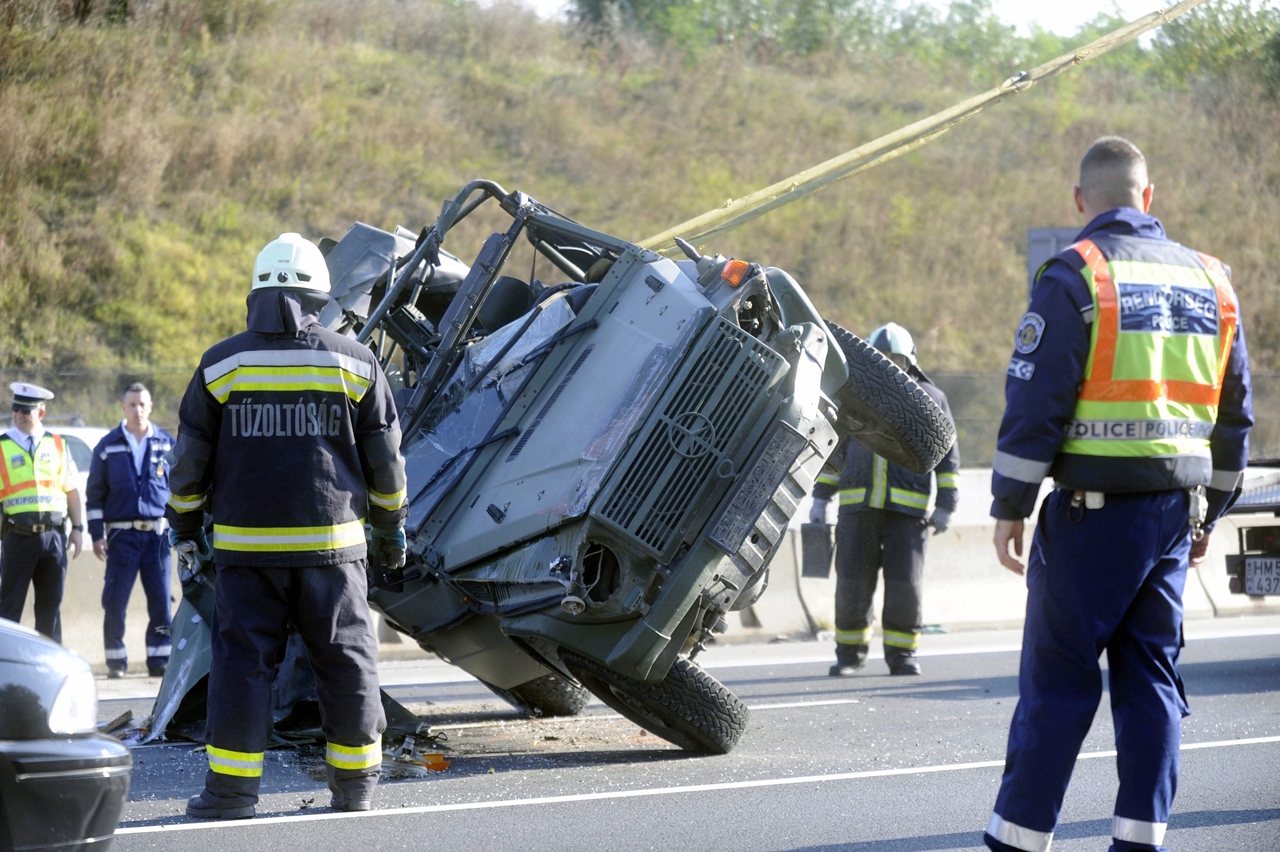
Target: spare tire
<point>885,410</point>
<point>688,707</point>
<point>549,695</point>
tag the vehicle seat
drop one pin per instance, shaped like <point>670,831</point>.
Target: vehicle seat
<point>508,300</point>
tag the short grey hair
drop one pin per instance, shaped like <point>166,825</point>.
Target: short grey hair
<point>1113,174</point>
<point>136,387</point>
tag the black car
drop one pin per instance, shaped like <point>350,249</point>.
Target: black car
<point>62,784</point>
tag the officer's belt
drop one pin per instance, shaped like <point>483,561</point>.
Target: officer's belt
<point>32,529</point>
<point>158,525</point>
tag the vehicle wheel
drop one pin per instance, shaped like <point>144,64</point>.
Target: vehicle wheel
<point>688,707</point>
<point>549,695</point>
<point>883,408</point>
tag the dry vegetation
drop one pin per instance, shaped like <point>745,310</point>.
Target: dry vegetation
<point>142,164</point>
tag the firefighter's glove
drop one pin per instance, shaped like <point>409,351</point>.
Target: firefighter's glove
<point>940,521</point>
<point>388,547</point>
<point>192,549</point>
<point>818,514</point>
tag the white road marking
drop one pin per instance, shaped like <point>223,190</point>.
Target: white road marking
<point>433,672</point>
<point>634,794</point>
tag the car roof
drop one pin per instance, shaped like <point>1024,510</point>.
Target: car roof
<point>91,435</point>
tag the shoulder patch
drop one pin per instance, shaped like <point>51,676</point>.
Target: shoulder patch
<point>1020,369</point>
<point>1029,333</point>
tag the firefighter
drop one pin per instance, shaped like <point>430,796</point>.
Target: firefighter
<point>884,522</point>
<point>38,478</point>
<point>1129,384</point>
<point>288,438</point>
<point>125,499</point>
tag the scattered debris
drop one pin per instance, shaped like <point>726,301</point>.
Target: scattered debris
<point>117,723</point>
<point>409,754</point>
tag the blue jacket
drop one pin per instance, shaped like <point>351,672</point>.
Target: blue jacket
<point>867,481</point>
<point>116,491</point>
<point>1042,384</point>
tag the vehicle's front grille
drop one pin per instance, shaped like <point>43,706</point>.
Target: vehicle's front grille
<point>693,438</point>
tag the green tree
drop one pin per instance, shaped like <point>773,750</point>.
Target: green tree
<point>1219,38</point>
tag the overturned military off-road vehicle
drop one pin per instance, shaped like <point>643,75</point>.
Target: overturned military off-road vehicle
<point>601,469</point>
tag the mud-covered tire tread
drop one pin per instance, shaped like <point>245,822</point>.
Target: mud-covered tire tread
<point>906,426</point>
<point>549,695</point>
<point>694,710</point>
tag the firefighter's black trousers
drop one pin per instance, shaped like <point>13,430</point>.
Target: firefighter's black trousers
<point>252,613</point>
<point>867,541</point>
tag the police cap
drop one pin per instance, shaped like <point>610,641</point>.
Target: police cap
<point>28,397</point>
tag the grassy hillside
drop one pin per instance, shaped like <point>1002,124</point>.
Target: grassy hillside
<point>144,163</point>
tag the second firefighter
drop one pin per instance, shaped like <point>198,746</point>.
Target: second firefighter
<point>884,523</point>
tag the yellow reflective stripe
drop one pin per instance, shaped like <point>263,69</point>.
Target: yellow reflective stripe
<point>914,499</point>
<point>245,764</point>
<point>184,503</point>
<point>853,637</point>
<point>879,482</point>
<point>289,379</point>
<point>828,479</point>
<point>354,757</point>
<point>288,358</point>
<point>948,480</point>
<point>272,539</point>
<point>852,496</point>
<point>897,639</point>
<point>390,502</point>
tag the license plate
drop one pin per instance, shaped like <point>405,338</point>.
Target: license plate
<point>1262,575</point>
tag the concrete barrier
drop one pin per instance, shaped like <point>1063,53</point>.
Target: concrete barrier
<point>82,618</point>
<point>82,613</point>
<point>965,587</point>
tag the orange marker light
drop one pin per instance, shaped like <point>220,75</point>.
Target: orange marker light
<point>733,272</point>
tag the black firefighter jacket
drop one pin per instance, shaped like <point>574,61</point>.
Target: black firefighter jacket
<point>288,435</point>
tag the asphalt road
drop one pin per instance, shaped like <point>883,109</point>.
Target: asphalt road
<point>867,763</point>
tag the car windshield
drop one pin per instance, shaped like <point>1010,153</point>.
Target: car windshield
<point>475,398</point>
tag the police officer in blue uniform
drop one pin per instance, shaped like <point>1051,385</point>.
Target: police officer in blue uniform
<point>1129,385</point>
<point>125,499</point>
<point>289,437</point>
<point>884,524</point>
<point>37,492</point>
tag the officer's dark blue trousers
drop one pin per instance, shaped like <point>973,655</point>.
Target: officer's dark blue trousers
<point>38,560</point>
<point>133,554</point>
<point>252,612</point>
<point>1099,579</point>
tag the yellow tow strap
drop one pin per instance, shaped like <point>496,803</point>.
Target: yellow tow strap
<point>740,211</point>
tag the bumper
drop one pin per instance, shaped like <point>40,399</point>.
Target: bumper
<point>62,793</point>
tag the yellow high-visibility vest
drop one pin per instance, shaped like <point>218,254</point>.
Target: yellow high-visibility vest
<point>33,484</point>
<point>1164,320</point>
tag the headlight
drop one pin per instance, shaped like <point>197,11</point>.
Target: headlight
<point>75,710</point>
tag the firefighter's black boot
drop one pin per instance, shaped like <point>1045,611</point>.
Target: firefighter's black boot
<point>849,660</point>
<point>902,664</point>
<point>206,806</point>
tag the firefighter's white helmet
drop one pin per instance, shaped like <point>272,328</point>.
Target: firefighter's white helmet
<point>291,261</point>
<point>892,338</point>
